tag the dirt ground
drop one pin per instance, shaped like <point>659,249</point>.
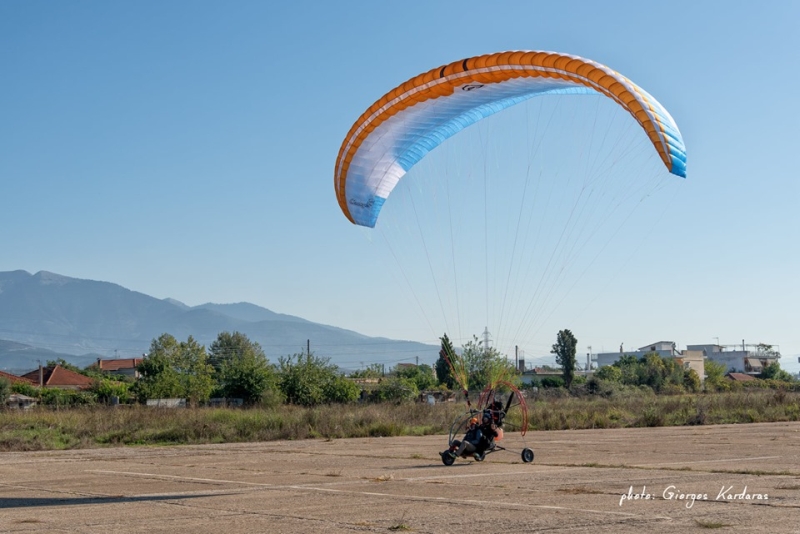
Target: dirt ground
<point>745,478</point>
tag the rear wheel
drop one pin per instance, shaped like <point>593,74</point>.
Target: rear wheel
<point>527,455</point>
<point>479,456</point>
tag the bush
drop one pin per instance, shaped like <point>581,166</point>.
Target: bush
<point>691,381</point>
<point>5,390</point>
<point>104,390</point>
<point>598,386</point>
<point>609,373</point>
<point>552,382</point>
<point>25,389</point>
<point>66,397</point>
<point>308,380</point>
<point>394,389</point>
<point>341,390</point>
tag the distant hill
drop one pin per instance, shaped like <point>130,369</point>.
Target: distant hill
<point>19,358</point>
<point>85,318</point>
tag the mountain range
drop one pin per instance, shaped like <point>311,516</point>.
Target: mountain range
<point>46,316</point>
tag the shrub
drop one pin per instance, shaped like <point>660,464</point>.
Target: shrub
<point>609,373</point>
<point>25,389</point>
<point>552,382</point>
<point>308,380</point>
<point>341,390</point>
<point>691,380</point>
<point>5,390</point>
<point>598,386</point>
<point>66,397</point>
<point>104,390</point>
<point>394,389</point>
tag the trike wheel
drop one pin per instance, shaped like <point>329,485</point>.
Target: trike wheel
<point>527,455</point>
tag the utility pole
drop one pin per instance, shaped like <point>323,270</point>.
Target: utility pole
<point>308,347</point>
<point>486,338</point>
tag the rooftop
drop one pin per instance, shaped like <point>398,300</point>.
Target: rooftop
<point>59,376</point>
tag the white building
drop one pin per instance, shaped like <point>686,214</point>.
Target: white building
<point>750,359</point>
<point>665,349</point>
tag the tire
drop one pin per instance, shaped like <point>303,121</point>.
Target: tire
<point>527,455</point>
<point>479,456</point>
<point>447,459</point>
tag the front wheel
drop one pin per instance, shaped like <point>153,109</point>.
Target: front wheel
<point>447,459</point>
<point>527,455</point>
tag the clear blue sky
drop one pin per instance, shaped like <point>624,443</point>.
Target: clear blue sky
<point>185,149</point>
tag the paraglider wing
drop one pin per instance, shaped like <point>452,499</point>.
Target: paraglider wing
<point>408,122</point>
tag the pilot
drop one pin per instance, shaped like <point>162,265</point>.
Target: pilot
<point>469,445</point>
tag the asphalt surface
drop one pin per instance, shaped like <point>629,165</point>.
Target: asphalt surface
<point>745,478</point>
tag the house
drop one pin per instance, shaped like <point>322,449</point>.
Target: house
<point>693,359</point>
<point>14,379</point>
<point>124,366</point>
<point>748,359</point>
<point>58,377</point>
<point>20,402</point>
<point>665,349</point>
<point>740,377</point>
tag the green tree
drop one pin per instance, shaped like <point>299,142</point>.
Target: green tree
<point>422,376</point>
<point>308,380</point>
<point>773,371</point>
<point>610,373</point>
<point>565,350</point>
<point>173,369</point>
<point>228,346</point>
<point>485,365</point>
<point>243,370</point>
<point>691,380</point>
<point>715,374</point>
<point>652,371</point>
<point>340,390</point>
<point>374,370</point>
<point>767,350</point>
<point>443,372</point>
<point>629,369</point>
<point>104,389</point>
<point>395,389</point>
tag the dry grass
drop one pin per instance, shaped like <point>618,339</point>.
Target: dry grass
<point>43,429</point>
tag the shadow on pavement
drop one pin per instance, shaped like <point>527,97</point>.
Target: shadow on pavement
<point>32,502</point>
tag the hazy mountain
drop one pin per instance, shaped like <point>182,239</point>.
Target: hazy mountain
<point>20,358</point>
<point>82,318</point>
<point>249,312</point>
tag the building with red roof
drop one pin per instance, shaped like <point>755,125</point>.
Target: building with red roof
<point>14,379</point>
<point>58,377</point>
<point>124,366</point>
